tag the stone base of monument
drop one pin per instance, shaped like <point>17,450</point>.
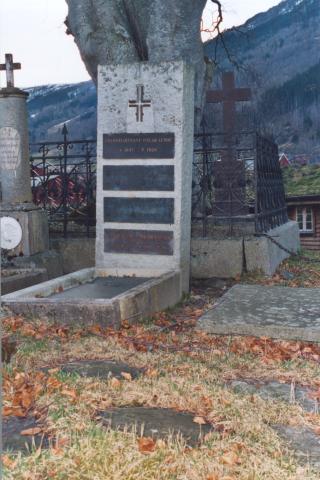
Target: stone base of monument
<point>84,298</point>
<point>34,224</point>
<point>229,257</point>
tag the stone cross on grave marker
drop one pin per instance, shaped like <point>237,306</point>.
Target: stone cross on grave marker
<point>230,174</point>
<point>140,103</point>
<point>9,68</point>
<point>15,186</point>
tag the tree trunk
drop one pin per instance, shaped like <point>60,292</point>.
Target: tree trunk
<point>125,31</point>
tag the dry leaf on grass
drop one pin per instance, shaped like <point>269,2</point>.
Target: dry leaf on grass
<point>69,392</point>
<point>13,411</point>
<point>31,431</point>
<point>152,373</point>
<point>213,476</point>
<point>126,376</point>
<point>8,462</point>
<point>161,444</point>
<point>199,420</point>
<point>115,383</point>
<point>230,459</point>
<point>146,445</point>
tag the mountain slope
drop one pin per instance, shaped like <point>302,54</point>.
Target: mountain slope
<point>51,106</point>
<point>278,52</point>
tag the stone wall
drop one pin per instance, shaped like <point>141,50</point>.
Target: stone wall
<point>209,258</point>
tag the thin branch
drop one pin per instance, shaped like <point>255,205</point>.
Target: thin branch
<point>216,28</point>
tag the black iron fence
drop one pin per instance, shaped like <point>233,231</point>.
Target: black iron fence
<point>237,184</point>
<point>63,180</point>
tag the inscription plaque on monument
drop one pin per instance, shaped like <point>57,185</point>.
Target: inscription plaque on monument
<point>138,177</point>
<point>139,210</point>
<point>9,148</point>
<point>138,145</point>
<point>146,242</point>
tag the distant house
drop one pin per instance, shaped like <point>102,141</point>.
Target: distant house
<point>284,160</point>
<point>303,200</point>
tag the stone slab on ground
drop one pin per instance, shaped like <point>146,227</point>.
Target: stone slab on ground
<point>303,441</point>
<point>100,368</point>
<point>274,390</point>
<point>156,423</point>
<point>276,312</point>
<point>12,438</point>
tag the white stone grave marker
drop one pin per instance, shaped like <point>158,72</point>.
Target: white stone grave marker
<point>10,233</point>
<point>144,170</point>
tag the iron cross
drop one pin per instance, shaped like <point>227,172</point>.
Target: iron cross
<point>229,95</point>
<point>140,103</point>
<point>9,67</point>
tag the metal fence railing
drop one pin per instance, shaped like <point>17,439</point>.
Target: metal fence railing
<point>237,184</point>
<point>63,180</point>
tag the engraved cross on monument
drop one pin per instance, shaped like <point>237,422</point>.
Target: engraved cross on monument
<point>9,66</point>
<point>140,103</point>
<point>230,174</point>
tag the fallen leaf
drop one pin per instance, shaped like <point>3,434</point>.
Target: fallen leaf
<point>146,445</point>
<point>152,373</point>
<point>115,383</point>
<point>213,476</point>
<point>225,401</point>
<point>199,420</point>
<point>26,399</point>
<point>69,392</point>
<point>161,444</point>
<point>316,430</point>
<point>13,411</point>
<point>95,329</point>
<point>31,431</point>
<point>207,401</point>
<point>230,459</point>
<point>126,376</point>
<point>8,462</point>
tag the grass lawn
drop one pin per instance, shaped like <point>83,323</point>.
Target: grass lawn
<point>182,369</point>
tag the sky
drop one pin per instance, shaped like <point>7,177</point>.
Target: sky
<point>34,32</point>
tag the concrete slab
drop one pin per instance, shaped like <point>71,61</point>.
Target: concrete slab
<point>276,312</point>
<point>156,423</point>
<point>101,287</point>
<point>304,441</point>
<point>132,299</point>
<point>14,441</point>
<point>274,390</point>
<point>100,368</point>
